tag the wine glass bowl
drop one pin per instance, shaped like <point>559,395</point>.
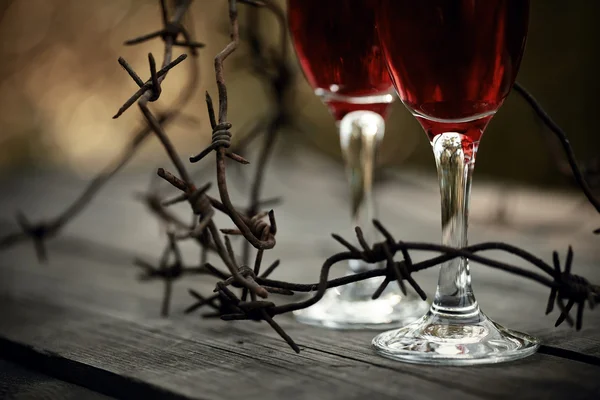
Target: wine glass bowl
<point>453,59</point>
<point>336,45</point>
<point>453,62</point>
<point>337,48</point>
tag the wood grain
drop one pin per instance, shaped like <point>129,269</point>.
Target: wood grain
<point>18,383</point>
<point>85,319</point>
<point>211,360</point>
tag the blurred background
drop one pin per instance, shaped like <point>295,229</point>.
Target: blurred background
<point>60,84</point>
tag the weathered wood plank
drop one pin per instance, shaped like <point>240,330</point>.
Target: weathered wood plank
<point>86,311</point>
<point>113,289</point>
<point>18,383</point>
<point>198,365</point>
<point>209,360</point>
<point>100,288</point>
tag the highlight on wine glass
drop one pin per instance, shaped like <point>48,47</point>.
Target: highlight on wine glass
<point>453,62</point>
<point>337,47</point>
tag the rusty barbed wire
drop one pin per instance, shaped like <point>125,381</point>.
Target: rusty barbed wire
<point>168,271</point>
<point>172,29</point>
<point>564,285</point>
<point>567,290</point>
<point>197,198</point>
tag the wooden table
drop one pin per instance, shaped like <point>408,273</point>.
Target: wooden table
<point>84,327</point>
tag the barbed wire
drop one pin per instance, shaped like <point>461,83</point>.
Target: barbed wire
<point>257,226</point>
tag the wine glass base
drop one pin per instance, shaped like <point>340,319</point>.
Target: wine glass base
<point>434,339</point>
<point>338,310</point>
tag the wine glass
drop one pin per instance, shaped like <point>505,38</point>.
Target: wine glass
<point>453,62</point>
<point>336,44</point>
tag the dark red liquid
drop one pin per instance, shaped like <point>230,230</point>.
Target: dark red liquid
<point>453,59</point>
<point>336,43</point>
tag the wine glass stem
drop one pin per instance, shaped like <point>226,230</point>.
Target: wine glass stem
<point>455,159</point>
<point>360,134</point>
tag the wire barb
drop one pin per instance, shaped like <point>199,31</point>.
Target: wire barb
<point>170,32</point>
<point>573,288</point>
<point>37,233</point>
<point>152,85</point>
<point>221,137</point>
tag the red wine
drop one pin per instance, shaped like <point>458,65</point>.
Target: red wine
<point>336,44</point>
<point>453,60</point>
